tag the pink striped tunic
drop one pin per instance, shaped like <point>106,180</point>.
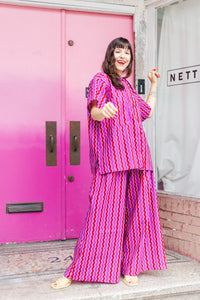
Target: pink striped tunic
<point>118,144</point>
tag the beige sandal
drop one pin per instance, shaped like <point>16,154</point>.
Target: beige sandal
<point>61,283</point>
<point>130,280</point>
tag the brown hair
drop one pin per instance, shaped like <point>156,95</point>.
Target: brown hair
<point>108,65</point>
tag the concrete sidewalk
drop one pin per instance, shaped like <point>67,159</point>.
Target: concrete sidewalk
<point>180,281</point>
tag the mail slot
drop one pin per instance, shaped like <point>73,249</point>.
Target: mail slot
<point>27,207</point>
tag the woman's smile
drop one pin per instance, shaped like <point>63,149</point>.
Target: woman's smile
<point>121,62</point>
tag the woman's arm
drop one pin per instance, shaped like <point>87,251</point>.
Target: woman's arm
<point>99,114</point>
<point>151,99</point>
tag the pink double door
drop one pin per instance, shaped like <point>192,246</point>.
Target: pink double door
<point>47,58</point>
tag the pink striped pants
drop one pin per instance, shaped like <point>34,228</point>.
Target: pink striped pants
<point>121,233</point>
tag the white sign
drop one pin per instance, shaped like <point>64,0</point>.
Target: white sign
<point>183,75</point>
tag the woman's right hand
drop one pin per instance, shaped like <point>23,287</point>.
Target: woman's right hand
<point>108,111</point>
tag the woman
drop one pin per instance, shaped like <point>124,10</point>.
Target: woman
<point>121,233</point>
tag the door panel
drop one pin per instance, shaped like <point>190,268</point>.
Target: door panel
<point>90,34</point>
<point>30,96</point>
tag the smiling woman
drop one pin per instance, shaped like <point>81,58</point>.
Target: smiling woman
<point>122,226</point>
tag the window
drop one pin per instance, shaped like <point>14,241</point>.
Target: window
<point>178,106</point>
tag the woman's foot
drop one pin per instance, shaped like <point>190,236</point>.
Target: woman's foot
<point>61,283</point>
<point>130,280</point>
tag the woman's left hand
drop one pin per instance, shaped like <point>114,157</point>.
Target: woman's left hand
<point>153,75</point>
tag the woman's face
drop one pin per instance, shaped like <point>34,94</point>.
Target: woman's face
<point>122,59</point>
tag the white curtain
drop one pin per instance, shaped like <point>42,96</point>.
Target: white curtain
<point>178,109</point>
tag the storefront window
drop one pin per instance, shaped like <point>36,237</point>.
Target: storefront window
<point>178,109</point>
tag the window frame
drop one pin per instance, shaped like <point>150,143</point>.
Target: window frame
<point>151,58</point>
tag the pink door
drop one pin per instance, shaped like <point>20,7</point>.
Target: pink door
<point>47,59</point>
<point>30,85</point>
<point>89,35</point>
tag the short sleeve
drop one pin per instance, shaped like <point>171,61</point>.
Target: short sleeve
<point>98,90</point>
<point>145,109</point>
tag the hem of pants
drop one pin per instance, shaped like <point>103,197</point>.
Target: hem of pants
<point>93,280</point>
<point>114,282</point>
<point>146,269</point>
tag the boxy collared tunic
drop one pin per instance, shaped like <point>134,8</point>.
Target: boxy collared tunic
<point>119,143</point>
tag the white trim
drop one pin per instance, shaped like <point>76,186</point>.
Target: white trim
<point>159,3</point>
<point>151,62</point>
<point>77,5</point>
<point>151,58</point>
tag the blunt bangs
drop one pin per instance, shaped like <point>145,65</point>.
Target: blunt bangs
<point>122,43</point>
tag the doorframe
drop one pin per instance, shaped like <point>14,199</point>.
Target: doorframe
<point>78,5</point>
<point>151,7</point>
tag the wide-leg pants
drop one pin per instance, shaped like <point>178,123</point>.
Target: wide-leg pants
<point>121,233</point>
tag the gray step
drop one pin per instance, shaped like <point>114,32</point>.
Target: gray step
<point>36,271</point>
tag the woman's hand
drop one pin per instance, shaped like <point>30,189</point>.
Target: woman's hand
<point>153,75</point>
<point>99,114</point>
<point>151,99</point>
<point>109,110</point>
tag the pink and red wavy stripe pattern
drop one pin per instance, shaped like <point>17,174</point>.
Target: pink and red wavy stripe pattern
<point>107,246</point>
<point>118,144</point>
<point>122,232</point>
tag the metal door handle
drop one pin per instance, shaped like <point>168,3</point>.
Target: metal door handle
<point>75,143</point>
<point>51,142</point>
